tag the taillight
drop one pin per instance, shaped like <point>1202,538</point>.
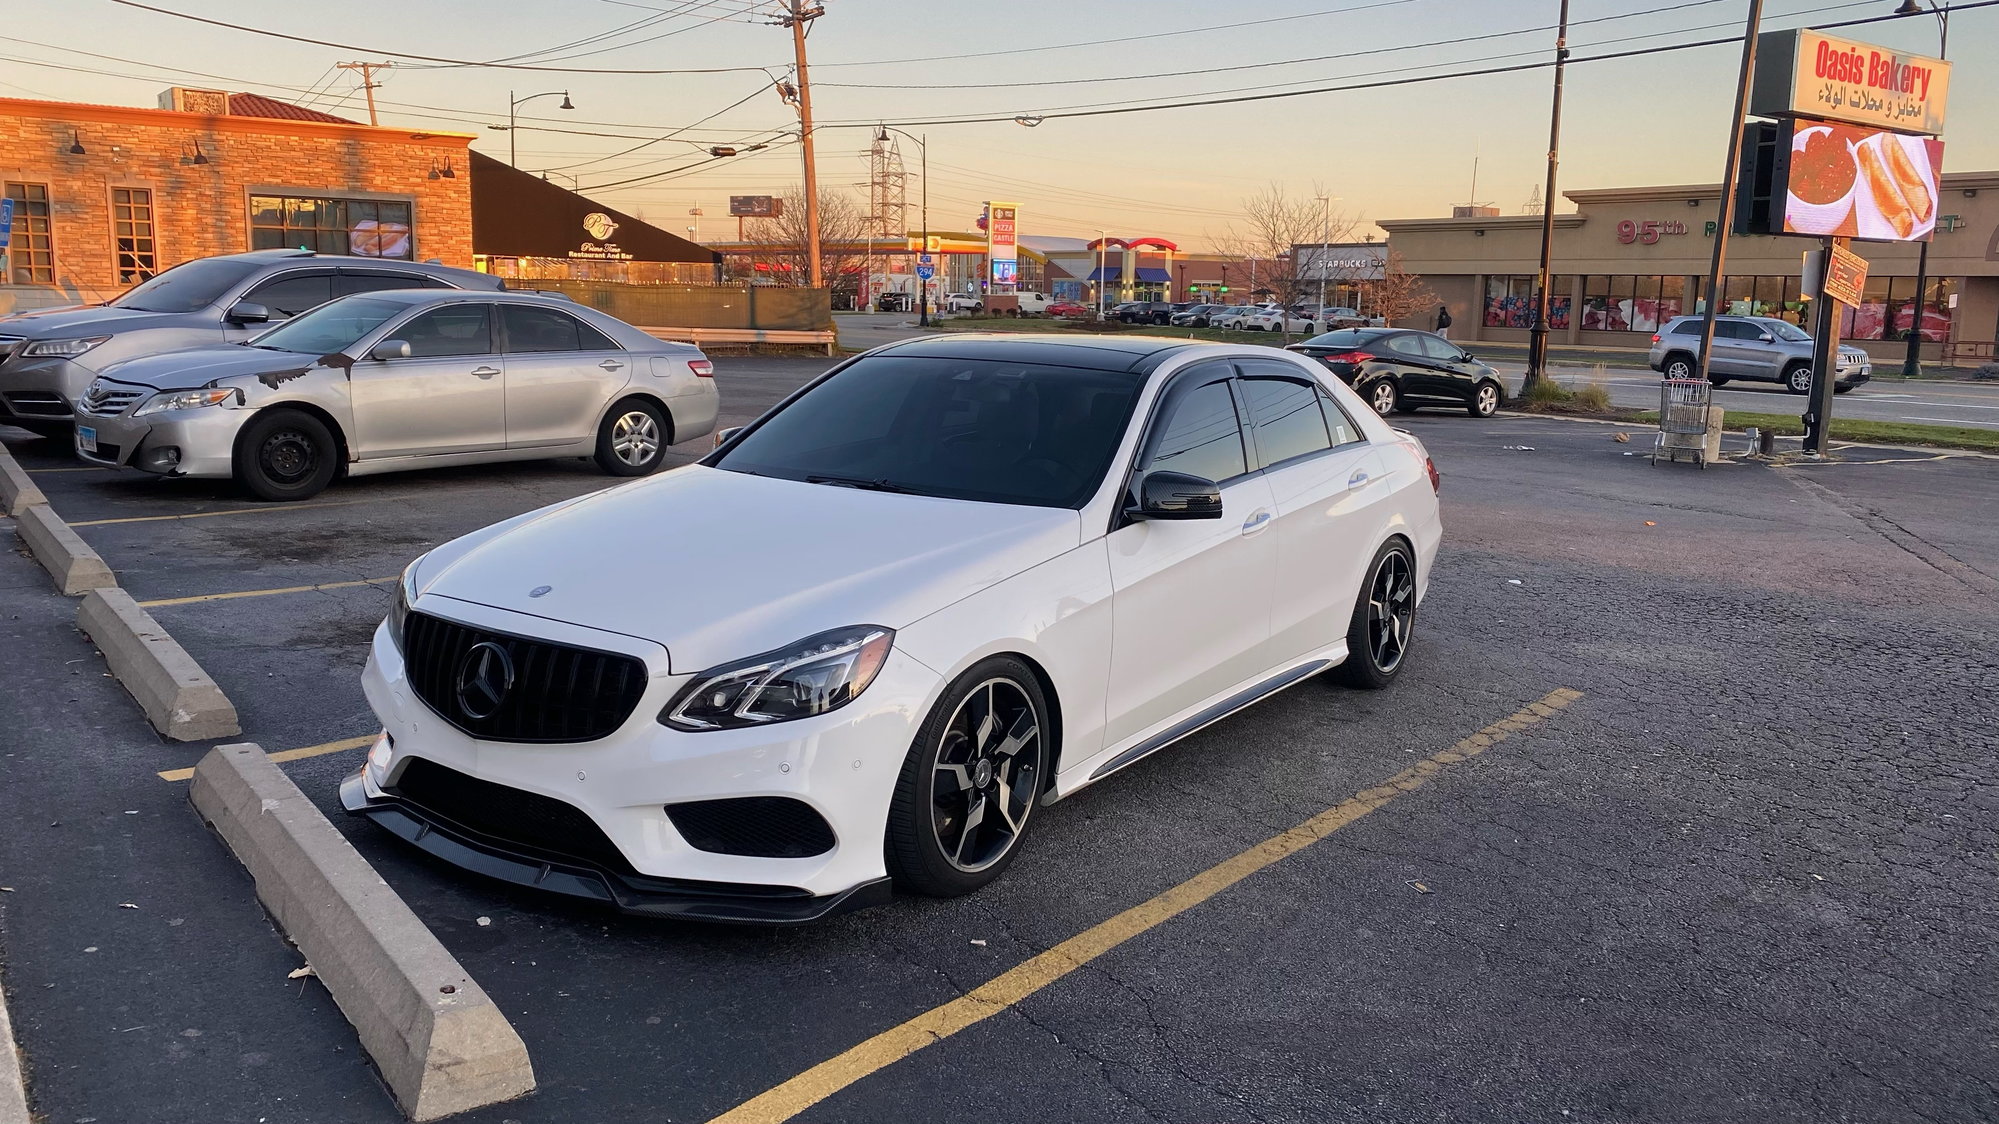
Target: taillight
<point>701,367</point>
<point>1655,337</point>
<point>1436,482</point>
<point>1347,357</point>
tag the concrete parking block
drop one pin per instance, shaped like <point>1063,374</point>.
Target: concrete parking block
<point>179,698</point>
<point>76,568</point>
<point>13,1092</point>
<point>440,1042</point>
<point>16,490</point>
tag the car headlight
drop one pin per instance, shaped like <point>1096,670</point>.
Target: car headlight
<point>61,348</point>
<point>399,613</point>
<point>815,675</point>
<point>188,400</point>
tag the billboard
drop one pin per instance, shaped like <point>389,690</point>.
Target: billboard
<point>1804,73</point>
<point>1848,181</point>
<point>756,206</point>
<point>1003,241</point>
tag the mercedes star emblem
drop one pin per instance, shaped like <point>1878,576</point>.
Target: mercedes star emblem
<point>485,676</point>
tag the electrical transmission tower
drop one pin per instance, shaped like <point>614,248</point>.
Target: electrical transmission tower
<point>886,189</point>
<point>1533,205</point>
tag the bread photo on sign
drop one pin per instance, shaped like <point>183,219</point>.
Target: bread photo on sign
<point>1896,184</point>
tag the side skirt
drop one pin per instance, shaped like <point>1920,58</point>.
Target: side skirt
<point>1209,715</point>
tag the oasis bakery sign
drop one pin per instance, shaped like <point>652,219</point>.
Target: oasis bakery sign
<point>1805,73</point>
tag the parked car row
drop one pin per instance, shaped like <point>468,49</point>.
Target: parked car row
<point>1268,316</point>
<point>361,366</point>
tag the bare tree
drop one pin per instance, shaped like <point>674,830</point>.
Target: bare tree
<point>777,253</point>
<point>1274,226</point>
<point>1400,294</point>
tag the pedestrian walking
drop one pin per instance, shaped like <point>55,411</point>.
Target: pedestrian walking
<point>1444,320</point>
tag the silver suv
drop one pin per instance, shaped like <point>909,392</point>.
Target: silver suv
<point>47,358</point>
<point>1753,347</point>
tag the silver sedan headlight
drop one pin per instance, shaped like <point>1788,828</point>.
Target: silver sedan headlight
<point>189,400</point>
<point>815,675</point>
<point>65,349</point>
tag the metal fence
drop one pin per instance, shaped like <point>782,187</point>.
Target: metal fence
<point>767,307</point>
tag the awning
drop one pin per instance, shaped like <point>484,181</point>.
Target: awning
<point>1143,274</point>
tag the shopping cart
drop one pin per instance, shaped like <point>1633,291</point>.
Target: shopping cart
<point>1687,423</point>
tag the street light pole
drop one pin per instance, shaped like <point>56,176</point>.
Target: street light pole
<point>923,286</point>
<point>1729,176</point>
<point>1537,340</point>
<point>1101,235</point>
<point>1325,236</point>
<point>513,130</point>
<point>1912,363</point>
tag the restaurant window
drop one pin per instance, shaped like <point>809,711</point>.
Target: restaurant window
<point>132,230</point>
<point>367,228</point>
<point>1509,302</point>
<point>1765,295</point>
<point>1888,307</point>
<point>31,253</point>
<point>1618,303</point>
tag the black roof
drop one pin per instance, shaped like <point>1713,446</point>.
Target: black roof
<point>1104,353</point>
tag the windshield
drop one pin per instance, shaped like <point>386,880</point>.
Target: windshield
<point>333,326</point>
<point>188,286</point>
<point>972,429</point>
<point>1788,331</point>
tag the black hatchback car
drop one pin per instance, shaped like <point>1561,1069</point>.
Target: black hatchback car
<point>1398,370</point>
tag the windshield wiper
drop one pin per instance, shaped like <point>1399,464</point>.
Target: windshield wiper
<point>877,485</point>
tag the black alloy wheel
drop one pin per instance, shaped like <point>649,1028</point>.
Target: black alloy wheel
<point>969,787</point>
<point>1384,619</point>
<point>286,455</point>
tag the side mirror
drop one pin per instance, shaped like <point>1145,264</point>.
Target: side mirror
<point>248,312</point>
<point>1176,495</point>
<point>390,349</point>
<point>1765,337</point>
<point>724,436</point>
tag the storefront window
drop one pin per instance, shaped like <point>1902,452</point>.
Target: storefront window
<point>1887,310</point>
<point>363,227</point>
<point>31,254</point>
<point>1509,303</point>
<point>132,227</point>
<point>1631,304</point>
<point>1766,295</point>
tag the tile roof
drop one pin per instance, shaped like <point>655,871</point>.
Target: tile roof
<point>257,105</point>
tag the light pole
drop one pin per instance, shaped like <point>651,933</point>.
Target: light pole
<point>1101,235</point>
<point>1537,340</point>
<point>1325,236</point>
<point>923,150</point>
<point>513,103</point>
<point>1912,363</point>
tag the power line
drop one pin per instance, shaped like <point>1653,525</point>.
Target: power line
<point>758,92</point>
<point>548,55</point>
<point>425,58</point>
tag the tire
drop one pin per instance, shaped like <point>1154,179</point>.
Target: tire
<point>1384,620</point>
<point>286,456</point>
<point>1679,366</point>
<point>946,834</point>
<point>633,438</point>
<point>1484,400</point>
<point>1838,389</point>
<point>1717,380</point>
<point>1385,397</point>
<point>1798,378</point>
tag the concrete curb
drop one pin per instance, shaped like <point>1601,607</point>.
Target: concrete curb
<point>16,490</point>
<point>440,1042</point>
<point>13,1084</point>
<point>76,568</point>
<point>179,698</point>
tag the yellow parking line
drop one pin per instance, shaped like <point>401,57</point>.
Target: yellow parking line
<point>285,755</point>
<point>1010,987</point>
<point>261,592</point>
<point>213,514</point>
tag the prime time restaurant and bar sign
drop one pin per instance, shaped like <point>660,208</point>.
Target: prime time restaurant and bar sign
<point>1806,73</point>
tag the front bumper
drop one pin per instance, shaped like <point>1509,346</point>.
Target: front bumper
<point>42,389</point>
<point>1850,377</point>
<point>196,443</point>
<point>842,765</point>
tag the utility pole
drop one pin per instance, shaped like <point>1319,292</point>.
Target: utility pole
<point>796,17</point>
<point>1729,176</point>
<point>368,83</point>
<point>1537,342</point>
<point>1325,236</point>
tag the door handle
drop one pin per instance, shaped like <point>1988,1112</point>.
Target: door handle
<point>485,372</point>
<point>612,365</point>
<point>1358,479</point>
<point>1256,522</point>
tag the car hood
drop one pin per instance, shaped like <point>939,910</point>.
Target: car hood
<point>181,370</point>
<point>718,565</point>
<point>88,320</point>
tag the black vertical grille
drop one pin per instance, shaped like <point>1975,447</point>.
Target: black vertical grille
<point>537,822</point>
<point>559,693</point>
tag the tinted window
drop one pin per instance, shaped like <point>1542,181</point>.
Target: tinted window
<point>351,282</point>
<point>459,329</point>
<point>1344,338</point>
<point>1785,330</point>
<point>1285,415</point>
<point>186,287</point>
<point>1439,349</point>
<point>330,327</point>
<point>1345,432</point>
<point>1199,434</point>
<point>540,329</point>
<point>1735,330</point>
<point>969,429</point>
<point>1410,345</point>
<point>293,293</point>
<point>1687,328</point>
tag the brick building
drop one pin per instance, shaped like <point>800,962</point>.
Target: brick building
<point>105,196</point>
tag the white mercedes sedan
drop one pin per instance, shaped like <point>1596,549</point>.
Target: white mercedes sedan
<point>859,645</point>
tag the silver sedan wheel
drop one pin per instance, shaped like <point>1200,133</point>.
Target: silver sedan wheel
<point>1383,398</point>
<point>1487,401</point>
<point>635,438</point>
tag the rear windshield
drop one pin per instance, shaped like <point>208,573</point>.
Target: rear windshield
<point>971,429</point>
<point>1344,337</point>
<point>188,286</point>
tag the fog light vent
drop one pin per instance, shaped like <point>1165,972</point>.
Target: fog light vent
<point>766,827</point>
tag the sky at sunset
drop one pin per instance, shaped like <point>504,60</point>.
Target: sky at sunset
<point>1394,152</point>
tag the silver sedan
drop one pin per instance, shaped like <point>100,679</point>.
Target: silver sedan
<point>388,381</point>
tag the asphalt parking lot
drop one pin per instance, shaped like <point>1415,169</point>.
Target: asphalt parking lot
<point>1749,874</point>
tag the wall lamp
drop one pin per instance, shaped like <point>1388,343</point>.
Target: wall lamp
<point>1693,202</point>
<point>199,157</point>
<point>444,173</point>
<point>76,143</point>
